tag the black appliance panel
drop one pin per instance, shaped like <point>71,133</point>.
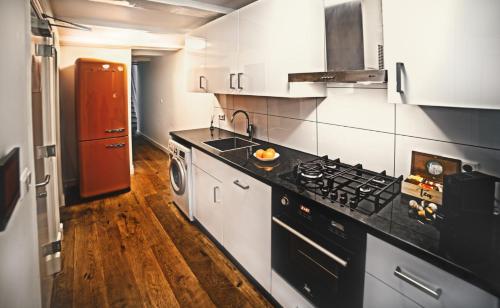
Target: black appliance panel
<point>318,252</point>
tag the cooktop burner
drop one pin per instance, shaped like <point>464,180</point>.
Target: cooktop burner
<point>359,189</point>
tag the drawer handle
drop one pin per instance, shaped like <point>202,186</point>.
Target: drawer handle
<point>115,145</point>
<point>115,130</point>
<point>416,282</point>
<point>237,183</point>
<point>311,242</point>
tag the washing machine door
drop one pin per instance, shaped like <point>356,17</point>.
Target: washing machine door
<point>178,176</point>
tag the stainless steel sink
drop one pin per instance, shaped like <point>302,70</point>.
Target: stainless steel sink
<point>229,144</point>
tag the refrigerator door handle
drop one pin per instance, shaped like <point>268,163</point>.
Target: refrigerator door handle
<point>115,130</point>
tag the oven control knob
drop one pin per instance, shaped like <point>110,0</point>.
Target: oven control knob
<point>333,196</point>
<point>285,201</point>
<point>343,198</point>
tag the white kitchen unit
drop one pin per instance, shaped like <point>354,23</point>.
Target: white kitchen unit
<point>251,51</point>
<point>247,224</point>
<point>208,201</point>
<point>195,46</point>
<point>396,279</point>
<point>449,52</point>
<point>222,54</point>
<point>236,209</point>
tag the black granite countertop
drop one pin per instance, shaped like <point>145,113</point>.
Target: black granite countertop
<point>466,249</point>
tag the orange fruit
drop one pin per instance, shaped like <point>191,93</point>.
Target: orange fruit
<point>259,153</point>
<point>271,150</point>
<point>268,154</point>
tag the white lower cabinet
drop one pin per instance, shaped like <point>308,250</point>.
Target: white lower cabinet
<point>420,282</point>
<point>247,224</point>
<point>208,202</point>
<point>236,209</point>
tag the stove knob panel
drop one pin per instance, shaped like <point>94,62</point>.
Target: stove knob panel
<point>284,201</point>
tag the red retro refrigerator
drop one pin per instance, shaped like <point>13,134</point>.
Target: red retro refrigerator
<point>102,126</point>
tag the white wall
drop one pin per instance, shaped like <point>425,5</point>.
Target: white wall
<point>68,56</point>
<point>19,270</point>
<point>358,125</point>
<point>164,103</point>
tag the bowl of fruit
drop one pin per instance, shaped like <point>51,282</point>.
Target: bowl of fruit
<point>266,155</point>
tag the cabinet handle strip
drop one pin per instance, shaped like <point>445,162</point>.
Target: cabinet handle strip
<point>215,193</point>
<point>239,81</point>
<point>416,282</point>
<point>231,81</point>
<point>237,183</point>
<point>335,258</point>
<point>201,83</point>
<point>399,67</point>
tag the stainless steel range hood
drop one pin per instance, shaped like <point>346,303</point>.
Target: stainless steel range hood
<point>354,44</point>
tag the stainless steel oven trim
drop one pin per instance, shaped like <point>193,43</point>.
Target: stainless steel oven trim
<point>311,242</point>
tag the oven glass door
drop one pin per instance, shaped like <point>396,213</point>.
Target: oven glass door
<point>305,264</point>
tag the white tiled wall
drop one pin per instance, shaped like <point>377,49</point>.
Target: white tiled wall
<point>358,125</point>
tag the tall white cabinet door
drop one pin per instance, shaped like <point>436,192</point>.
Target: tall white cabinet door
<point>297,44</point>
<point>247,227</point>
<point>195,46</point>
<point>254,43</point>
<point>208,202</point>
<point>222,54</point>
<point>450,50</point>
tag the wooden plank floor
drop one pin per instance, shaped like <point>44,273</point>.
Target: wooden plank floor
<point>136,249</point>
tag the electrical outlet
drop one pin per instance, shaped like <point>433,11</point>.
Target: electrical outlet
<point>222,117</point>
<point>468,166</point>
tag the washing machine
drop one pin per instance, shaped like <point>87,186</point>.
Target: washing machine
<point>181,177</point>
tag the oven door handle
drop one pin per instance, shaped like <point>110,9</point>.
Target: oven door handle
<point>311,242</point>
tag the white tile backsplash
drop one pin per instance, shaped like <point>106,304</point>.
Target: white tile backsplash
<point>292,133</point>
<point>257,104</point>
<point>373,150</point>
<point>468,126</point>
<point>359,126</point>
<point>296,108</point>
<point>357,107</point>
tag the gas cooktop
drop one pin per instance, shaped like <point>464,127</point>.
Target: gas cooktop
<point>349,186</point>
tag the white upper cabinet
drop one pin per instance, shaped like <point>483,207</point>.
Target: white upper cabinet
<point>222,54</point>
<point>195,45</point>
<point>450,51</point>
<point>251,51</point>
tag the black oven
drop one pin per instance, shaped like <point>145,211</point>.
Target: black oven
<point>317,251</point>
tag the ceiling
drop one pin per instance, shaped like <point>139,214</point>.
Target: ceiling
<point>156,16</point>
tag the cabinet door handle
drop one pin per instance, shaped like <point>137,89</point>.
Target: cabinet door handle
<point>45,182</point>
<point>231,81</point>
<point>201,83</point>
<point>115,130</point>
<point>237,183</point>
<point>239,81</point>
<point>417,283</point>
<point>215,193</point>
<point>399,68</point>
<point>115,145</point>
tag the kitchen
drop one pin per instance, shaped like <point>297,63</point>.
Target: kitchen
<point>304,153</point>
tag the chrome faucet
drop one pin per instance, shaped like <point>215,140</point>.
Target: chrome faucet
<point>250,127</point>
